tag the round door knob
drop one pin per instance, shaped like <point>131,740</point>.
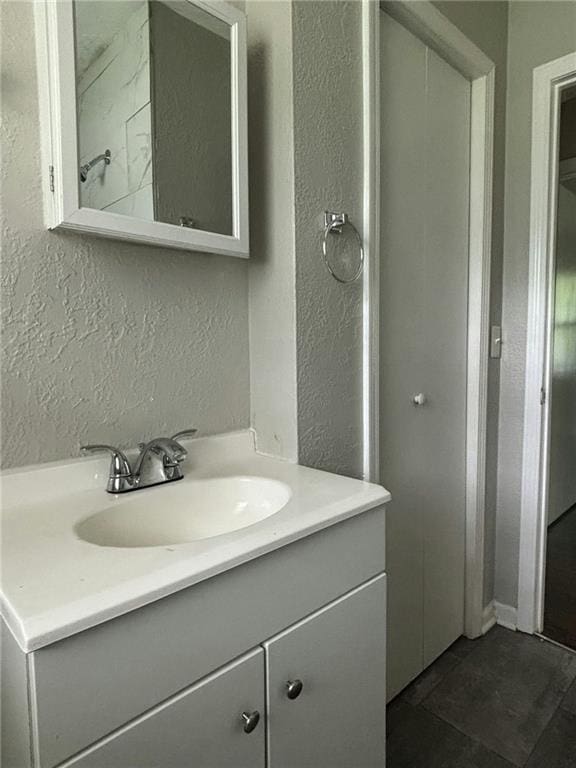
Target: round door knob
<point>419,399</point>
<point>250,720</point>
<point>294,688</point>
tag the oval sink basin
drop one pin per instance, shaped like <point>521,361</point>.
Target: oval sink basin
<point>184,512</point>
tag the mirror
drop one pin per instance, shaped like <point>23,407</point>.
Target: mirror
<point>154,112</point>
<point>160,112</point>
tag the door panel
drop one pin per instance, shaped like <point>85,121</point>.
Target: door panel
<point>443,428</point>
<point>401,317</point>
<point>338,720</point>
<point>201,727</point>
<point>425,140</point>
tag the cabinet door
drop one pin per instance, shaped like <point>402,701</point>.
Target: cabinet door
<point>337,720</point>
<point>201,727</point>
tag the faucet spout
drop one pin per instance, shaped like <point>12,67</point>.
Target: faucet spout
<point>159,461</point>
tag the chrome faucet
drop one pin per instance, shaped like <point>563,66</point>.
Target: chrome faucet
<point>159,461</point>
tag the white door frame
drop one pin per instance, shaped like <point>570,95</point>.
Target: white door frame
<point>548,82</point>
<point>432,27</point>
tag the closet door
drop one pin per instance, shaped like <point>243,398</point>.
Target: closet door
<point>326,685</point>
<point>425,127</point>
<point>444,361</point>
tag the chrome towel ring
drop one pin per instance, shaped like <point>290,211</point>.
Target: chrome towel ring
<point>334,224</point>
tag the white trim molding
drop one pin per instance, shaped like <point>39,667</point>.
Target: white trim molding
<point>488,617</point>
<point>501,614</point>
<point>371,284</point>
<point>548,82</point>
<point>432,27</point>
<point>480,257</point>
<point>506,616</point>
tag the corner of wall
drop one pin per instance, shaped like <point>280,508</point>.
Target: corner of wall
<point>272,274</point>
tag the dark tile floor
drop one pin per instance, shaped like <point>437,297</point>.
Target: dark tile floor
<point>507,699</point>
<point>560,592</point>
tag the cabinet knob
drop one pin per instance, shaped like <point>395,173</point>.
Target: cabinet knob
<point>294,688</point>
<point>250,720</point>
<point>419,399</point>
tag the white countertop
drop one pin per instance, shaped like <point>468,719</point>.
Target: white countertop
<point>55,584</point>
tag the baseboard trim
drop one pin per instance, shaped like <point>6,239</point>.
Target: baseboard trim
<point>488,617</point>
<point>506,615</point>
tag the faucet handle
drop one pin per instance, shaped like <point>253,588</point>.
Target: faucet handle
<point>184,433</point>
<point>119,464</point>
<point>181,434</point>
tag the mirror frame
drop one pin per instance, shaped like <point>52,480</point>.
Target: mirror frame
<point>58,112</point>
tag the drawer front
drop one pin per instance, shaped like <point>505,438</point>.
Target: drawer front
<point>201,727</point>
<point>91,683</point>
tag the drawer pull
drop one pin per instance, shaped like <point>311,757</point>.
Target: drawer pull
<point>294,688</point>
<point>250,720</point>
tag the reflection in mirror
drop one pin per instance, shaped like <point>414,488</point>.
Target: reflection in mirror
<point>153,84</point>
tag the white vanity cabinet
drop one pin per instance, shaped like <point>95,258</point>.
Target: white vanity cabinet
<point>173,684</point>
<point>324,708</point>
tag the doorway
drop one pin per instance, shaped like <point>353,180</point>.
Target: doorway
<point>432,28</point>
<point>546,593</point>
<point>559,622</point>
<point>425,160</point>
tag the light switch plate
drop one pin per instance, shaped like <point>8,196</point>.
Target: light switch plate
<point>496,341</point>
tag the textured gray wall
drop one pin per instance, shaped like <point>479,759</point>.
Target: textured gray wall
<point>306,156</point>
<point>486,24</point>
<point>103,340</point>
<point>538,32</point>
<point>327,39</point>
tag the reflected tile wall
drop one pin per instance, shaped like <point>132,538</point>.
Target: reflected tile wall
<point>139,149</point>
<point>114,113</point>
<point>137,204</point>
